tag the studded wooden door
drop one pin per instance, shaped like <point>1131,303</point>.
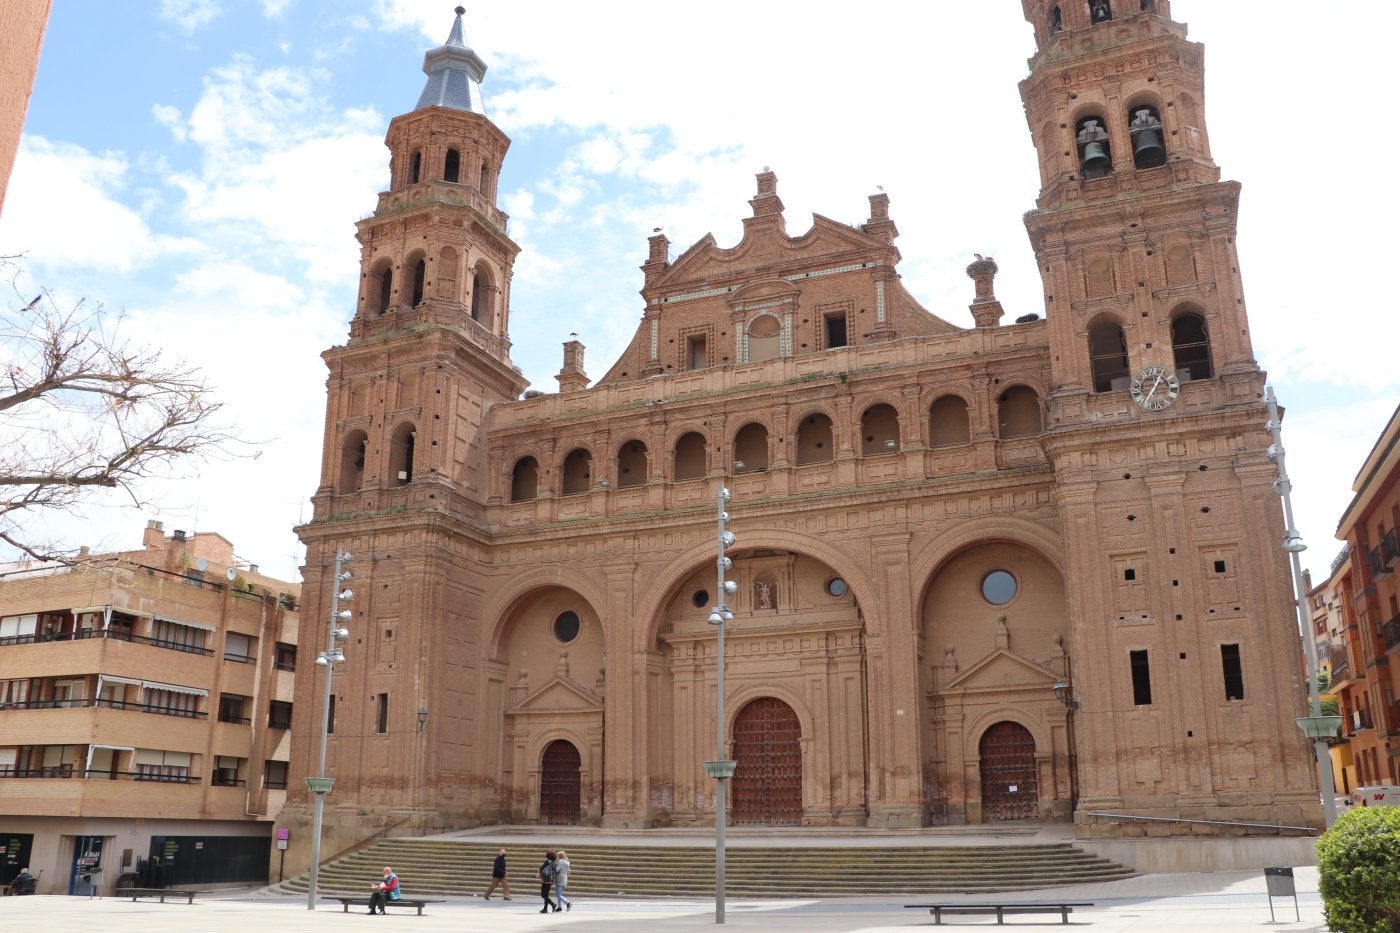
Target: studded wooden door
<point>559,784</point>
<point>1007,760</point>
<point>768,779</point>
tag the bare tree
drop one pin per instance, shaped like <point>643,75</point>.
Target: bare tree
<point>82,410</point>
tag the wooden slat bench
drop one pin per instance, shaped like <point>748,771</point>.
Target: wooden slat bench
<point>1001,910</point>
<point>360,900</point>
<point>161,893</point>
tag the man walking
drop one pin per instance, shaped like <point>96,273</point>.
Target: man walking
<point>498,876</point>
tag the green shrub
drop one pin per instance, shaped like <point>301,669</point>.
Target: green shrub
<point>1358,862</point>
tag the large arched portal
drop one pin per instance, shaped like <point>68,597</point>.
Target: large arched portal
<point>560,785</point>
<point>768,751</point>
<point>1006,760</point>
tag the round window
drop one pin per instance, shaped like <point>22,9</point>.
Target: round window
<point>700,598</point>
<point>566,626</point>
<point>998,587</point>
<point>836,586</point>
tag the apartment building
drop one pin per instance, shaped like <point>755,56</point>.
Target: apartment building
<point>145,709</point>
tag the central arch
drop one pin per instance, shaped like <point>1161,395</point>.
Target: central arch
<point>768,752</point>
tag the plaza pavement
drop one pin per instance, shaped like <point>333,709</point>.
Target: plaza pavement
<point>1221,902</point>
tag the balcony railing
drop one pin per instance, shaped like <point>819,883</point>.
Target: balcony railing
<point>1390,548</point>
<point>104,703</point>
<point>1390,631</point>
<point>1340,663</point>
<point>117,634</point>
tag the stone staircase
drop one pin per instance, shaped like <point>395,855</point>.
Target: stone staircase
<point>462,867</point>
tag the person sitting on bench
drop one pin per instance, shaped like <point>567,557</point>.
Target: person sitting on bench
<point>386,890</point>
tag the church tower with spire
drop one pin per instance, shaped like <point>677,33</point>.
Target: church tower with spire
<point>404,478</point>
<point>1184,641</point>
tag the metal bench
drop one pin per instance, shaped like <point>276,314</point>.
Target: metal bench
<point>162,893</point>
<point>1001,910</point>
<point>359,900</point>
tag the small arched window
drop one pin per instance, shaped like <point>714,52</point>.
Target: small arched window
<point>1191,347</point>
<point>1095,157</point>
<point>382,287</point>
<point>814,440</point>
<point>415,168</point>
<point>352,462</point>
<point>420,277</point>
<point>1057,20</point>
<point>632,464</point>
<point>1100,11</point>
<point>1108,355</point>
<point>751,448</point>
<point>578,471</point>
<point>1018,412</point>
<point>452,166</point>
<point>481,299</point>
<point>690,456</point>
<point>484,185</point>
<point>1145,126</point>
<point>879,430</point>
<point>525,480</point>
<point>948,422</point>
<point>401,453</point>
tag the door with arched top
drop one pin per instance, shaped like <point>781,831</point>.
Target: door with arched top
<point>1006,757</point>
<point>768,752</point>
<point>560,783</point>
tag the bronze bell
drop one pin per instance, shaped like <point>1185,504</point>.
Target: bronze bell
<point>1147,149</point>
<point>1095,162</point>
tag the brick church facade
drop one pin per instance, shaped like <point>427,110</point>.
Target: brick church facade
<point>1024,570</point>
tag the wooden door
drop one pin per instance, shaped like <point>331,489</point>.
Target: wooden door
<point>560,784</point>
<point>768,779</point>
<point>1007,760</point>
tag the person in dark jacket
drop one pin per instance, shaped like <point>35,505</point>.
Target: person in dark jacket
<point>498,876</point>
<point>386,890</point>
<point>546,879</point>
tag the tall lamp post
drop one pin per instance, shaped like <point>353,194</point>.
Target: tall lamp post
<point>1317,727</point>
<point>721,769</point>
<point>321,785</point>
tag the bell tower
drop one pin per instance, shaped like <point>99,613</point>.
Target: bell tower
<point>1180,600</point>
<point>405,483</point>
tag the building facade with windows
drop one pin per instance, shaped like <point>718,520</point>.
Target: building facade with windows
<point>1020,570</point>
<point>145,709</point>
<point>1365,657</point>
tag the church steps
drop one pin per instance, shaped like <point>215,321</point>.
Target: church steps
<point>462,868</point>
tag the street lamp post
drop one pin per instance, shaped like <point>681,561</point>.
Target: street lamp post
<point>1317,727</point>
<point>321,785</point>
<point>721,769</point>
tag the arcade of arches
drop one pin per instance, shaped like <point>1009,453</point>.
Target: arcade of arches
<point>800,708</point>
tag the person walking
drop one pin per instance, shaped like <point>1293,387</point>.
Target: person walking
<point>546,879</point>
<point>384,891</point>
<point>561,879</point>
<point>498,876</point>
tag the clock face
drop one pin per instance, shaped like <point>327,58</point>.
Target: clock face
<point>1155,387</point>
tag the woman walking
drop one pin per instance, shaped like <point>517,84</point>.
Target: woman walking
<point>561,879</point>
<point>546,879</point>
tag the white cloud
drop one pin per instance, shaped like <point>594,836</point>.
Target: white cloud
<point>190,15</point>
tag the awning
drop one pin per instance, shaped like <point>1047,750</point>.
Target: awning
<point>173,688</point>
<point>207,628</point>
<point>77,612</point>
<point>113,679</point>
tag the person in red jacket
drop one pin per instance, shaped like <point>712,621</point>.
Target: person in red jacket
<point>386,890</point>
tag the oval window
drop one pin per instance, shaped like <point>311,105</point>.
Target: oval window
<point>566,626</point>
<point>998,587</point>
<point>836,586</point>
<point>700,598</point>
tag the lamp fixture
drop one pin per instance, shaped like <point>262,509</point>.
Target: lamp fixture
<point>1061,690</point>
<point>422,717</point>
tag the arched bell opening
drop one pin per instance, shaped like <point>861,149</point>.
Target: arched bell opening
<point>689,460</point>
<point>1108,355</point>
<point>1191,346</point>
<point>452,166</point>
<point>578,471</point>
<point>352,462</point>
<point>401,453</point>
<point>814,440</point>
<point>1095,154</point>
<point>948,422</point>
<point>1018,412</point>
<point>879,430</point>
<point>1100,11</point>
<point>632,464</point>
<point>751,448</point>
<point>1145,127</point>
<point>524,480</point>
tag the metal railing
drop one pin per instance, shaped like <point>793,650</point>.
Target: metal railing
<point>1173,819</point>
<point>117,634</point>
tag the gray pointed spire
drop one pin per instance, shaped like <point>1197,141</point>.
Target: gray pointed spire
<point>454,74</point>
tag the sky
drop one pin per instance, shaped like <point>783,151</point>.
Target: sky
<point>198,165</point>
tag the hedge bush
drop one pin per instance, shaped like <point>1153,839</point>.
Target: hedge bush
<point>1359,871</point>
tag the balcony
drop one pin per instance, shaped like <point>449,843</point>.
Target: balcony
<point>1390,632</point>
<point>1340,663</point>
<point>101,703</point>
<point>114,634</point>
<point>1390,549</point>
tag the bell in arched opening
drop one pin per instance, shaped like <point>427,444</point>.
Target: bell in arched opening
<point>1146,130</point>
<point>1094,158</point>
